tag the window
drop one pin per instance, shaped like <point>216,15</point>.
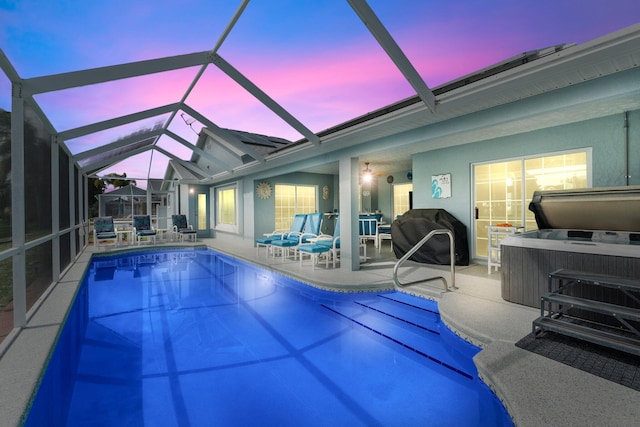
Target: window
<point>226,215</point>
<point>291,200</point>
<point>503,190</point>
<point>202,211</point>
<point>401,195</point>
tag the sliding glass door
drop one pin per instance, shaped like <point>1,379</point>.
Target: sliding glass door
<point>503,190</point>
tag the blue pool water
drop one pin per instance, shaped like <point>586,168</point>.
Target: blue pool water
<point>195,338</point>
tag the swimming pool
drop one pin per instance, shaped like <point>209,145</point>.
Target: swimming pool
<point>193,337</point>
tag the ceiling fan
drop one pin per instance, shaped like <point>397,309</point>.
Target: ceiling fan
<point>367,174</point>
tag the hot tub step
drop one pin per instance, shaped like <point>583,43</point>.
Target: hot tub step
<point>596,336</point>
<point>618,311</point>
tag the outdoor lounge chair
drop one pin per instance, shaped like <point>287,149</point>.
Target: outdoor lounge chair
<point>183,229</point>
<point>142,228</point>
<point>324,245</point>
<point>104,231</point>
<point>291,240</point>
<point>297,225</point>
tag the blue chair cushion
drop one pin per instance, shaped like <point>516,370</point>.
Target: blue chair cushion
<point>314,248</point>
<point>106,235</point>
<point>103,224</point>
<point>285,243</point>
<point>180,221</point>
<point>142,222</point>
<point>268,240</point>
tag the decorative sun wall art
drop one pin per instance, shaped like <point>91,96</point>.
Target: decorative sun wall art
<point>264,190</point>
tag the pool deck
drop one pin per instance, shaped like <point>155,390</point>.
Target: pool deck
<point>536,391</point>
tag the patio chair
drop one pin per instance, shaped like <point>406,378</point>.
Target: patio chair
<point>142,228</point>
<point>326,245</point>
<point>182,229</point>
<point>368,230</point>
<point>384,233</point>
<point>297,225</point>
<point>291,240</point>
<point>104,231</point>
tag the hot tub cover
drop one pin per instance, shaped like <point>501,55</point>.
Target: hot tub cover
<point>604,208</point>
<point>411,227</point>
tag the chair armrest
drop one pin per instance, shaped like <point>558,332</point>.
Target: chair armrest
<point>277,233</point>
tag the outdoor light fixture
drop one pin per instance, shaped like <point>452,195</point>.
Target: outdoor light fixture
<point>367,174</point>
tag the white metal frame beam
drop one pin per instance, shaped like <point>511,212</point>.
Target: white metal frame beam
<point>18,207</point>
<point>202,69</point>
<point>94,168</point>
<point>378,30</point>
<point>189,165</point>
<point>118,144</point>
<point>117,121</point>
<point>92,76</point>
<point>254,90</point>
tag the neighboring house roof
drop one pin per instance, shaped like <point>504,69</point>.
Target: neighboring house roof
<point>127,190</point>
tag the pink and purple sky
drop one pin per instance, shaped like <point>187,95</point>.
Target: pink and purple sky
<point>315,58</point>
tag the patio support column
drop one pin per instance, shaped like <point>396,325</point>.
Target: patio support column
<point>55,208</point>
<point>349,240</point>
<point>149,204</point>
<point>72,210</point>
<point>84,200</point>
<point>18,210</point>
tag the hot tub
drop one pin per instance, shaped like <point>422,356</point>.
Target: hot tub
<point>608,241</point>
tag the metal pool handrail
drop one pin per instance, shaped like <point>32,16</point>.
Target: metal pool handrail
<point>414,249</point>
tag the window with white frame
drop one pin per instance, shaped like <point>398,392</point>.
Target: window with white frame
<point>291,200</point>
<point>227,208</point>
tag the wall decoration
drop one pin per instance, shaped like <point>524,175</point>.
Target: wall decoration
<point>325,192</point>
<point>264,190</point>
<point>390,179</point>
<point>410,175</point>
<point>441,186</point>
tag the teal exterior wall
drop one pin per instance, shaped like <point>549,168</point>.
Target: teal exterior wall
<point>452,146</point>
<point>604,136</point>
<point>385,193</point>
<point>264,209</point>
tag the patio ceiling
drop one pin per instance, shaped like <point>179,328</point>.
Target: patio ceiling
<point>215,106</point>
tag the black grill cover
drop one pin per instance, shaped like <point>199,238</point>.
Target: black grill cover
<point>411,227</point>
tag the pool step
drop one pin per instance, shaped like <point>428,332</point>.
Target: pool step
<point>412,301</point>
<point>415,327</point>
<point>412,315</point>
